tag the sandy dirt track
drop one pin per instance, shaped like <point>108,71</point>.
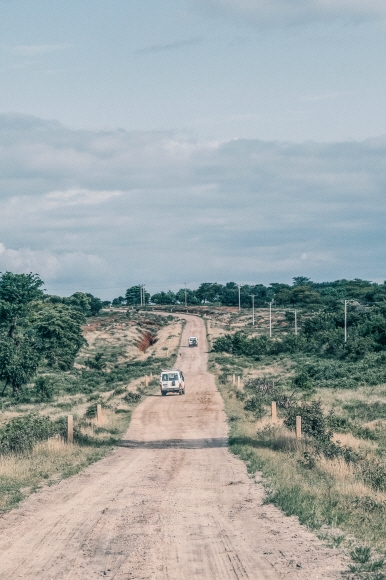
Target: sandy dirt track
<point>170,503</point>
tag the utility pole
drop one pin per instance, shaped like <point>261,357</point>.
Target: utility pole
<point>345,320</point>
<point>296,323</point>
<point>253,309</point>
<point>141,292</point>
<point>270,320</point>
<point>186,302</point>
<point>239,285</point>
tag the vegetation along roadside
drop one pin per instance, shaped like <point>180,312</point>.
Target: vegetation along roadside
<point>334,478</point>
<point>62,356</point>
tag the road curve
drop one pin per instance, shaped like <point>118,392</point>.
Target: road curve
<point>170,503</point>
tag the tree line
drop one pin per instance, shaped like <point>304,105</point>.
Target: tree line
<point>302,293</point>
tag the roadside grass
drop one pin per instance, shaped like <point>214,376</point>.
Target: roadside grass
<point>48,463</point>
<point>325,494</point>
<point>119,387</point>
<point>321,493</point>
<point>335,485</point>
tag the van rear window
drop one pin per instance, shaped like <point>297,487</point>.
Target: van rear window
<point>170,377</point>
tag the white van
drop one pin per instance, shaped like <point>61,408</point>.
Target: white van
<point>172,381</point>
<point>193,341</point>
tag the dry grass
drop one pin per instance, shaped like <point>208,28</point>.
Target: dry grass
<point>48,462</point>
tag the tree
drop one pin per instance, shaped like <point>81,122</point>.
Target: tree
<point>164,298</point>
<point>96,304</point>
<point>133,296</point>
<point>59,331</point>
<point>33,330</point>
<point>79,301</point>
<point>19,351</point>
<point>301,281</point>
<point>118,301</point>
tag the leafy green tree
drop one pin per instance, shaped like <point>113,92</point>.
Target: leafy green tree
<point>79,301</point>
<point>59,330</point>
<point>95,304</point>
<point>118,301</point>
<point>191,298</point>
<point>133,296</point>
<point>164,298</point>
<point>19,352</point>
<point>33,330</point>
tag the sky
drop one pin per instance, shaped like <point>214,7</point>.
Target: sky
<point>164,142</point>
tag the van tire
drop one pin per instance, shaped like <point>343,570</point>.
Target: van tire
<point>163,393</point>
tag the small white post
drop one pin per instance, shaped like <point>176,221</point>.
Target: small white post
<point>146,381</point>
<point>253,309</point>
<point>298,427</point>
<point>234,379</point>
<point>238,382</point>
<point>99,413</point>
<point>70,429</point>
<point>273,412</point>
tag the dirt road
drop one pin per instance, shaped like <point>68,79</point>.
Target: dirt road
<point>170,503</point>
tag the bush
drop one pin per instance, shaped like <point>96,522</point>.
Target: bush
<point>44,389</point>
<point>302,381</point>
<point>91,410</point>
<point>21,433</point>
<point>255,406</point>
<point>314,422</point>
<point>132,398</point>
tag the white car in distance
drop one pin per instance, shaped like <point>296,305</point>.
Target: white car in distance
<point>193,341</point>
<point>172,381</point>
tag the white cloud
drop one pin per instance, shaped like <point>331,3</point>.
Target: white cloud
<point>295,11</point>
<point>176,45</point>
<point>49,265</point>
<point>113,208</point>
<point>31,50</point>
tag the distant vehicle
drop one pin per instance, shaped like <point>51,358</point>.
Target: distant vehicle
<point>172,381</point>
<point>193,341</point>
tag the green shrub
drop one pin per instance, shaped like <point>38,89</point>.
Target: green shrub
<point>314,422</point>
<point>255,406</point>
<point>21,433</point>
<point>44,389</point>
<point>302,381</point>
<point>132,398</point>
<point>91,410</point>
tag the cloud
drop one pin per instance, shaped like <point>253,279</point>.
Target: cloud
<point>294,11</point>
<point>176,45</point>
<point>112,208</point>
<point>31,50</point>
<point>49,265</point>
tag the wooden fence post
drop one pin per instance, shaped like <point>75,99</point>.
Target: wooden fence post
<point>234,379</point>
<point>238,382</point>
<point>99,413</point>
<point>146,381</point>
<point>70,429</point>
<point>298,427</point>
<point>273,412</point>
